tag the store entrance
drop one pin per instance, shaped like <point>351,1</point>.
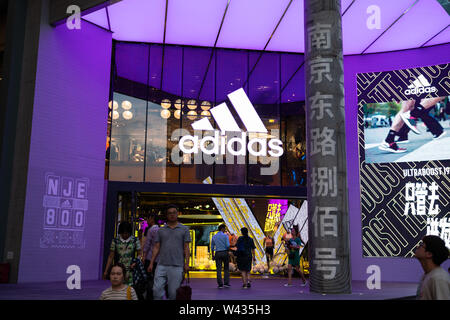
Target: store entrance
<point>203,214</point>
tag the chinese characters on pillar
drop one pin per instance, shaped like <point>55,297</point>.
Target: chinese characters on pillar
<point>319,36</point>
<point>416,197</point>
<point>323,145</point>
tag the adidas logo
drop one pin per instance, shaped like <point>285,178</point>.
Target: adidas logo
<point>218,144</point>
<point>420,86</point>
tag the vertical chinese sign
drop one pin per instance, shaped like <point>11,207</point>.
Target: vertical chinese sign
<point>276,210</point>
<point>327,179</point>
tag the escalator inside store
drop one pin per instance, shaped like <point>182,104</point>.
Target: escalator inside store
<point>204,214</point>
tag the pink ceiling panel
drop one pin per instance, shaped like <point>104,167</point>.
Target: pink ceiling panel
<point>287,37</point>
<point>98,17</point>
<point>194,22</point>
<point>250,23</point>
<point>442,37</point>
<point>421,23</point>
<point>366,20</point>
<point>138,20</point>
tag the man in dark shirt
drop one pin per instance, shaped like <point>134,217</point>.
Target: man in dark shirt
<point>172,247</point>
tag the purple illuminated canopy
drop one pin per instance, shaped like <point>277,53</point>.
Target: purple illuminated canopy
<point>368,26</point>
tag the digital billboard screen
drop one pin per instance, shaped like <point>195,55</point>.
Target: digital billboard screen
<point>404,152</point>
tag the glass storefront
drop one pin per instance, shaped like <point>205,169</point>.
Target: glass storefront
<point>183,115</point>
<point>203,215</point>
<point>159,94</point>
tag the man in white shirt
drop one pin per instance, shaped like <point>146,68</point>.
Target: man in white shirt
<point>435,283</point>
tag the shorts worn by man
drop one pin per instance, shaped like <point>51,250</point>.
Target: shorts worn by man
<point>172,247</point>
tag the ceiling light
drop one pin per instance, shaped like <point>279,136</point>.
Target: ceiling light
<point>165,114</point>
<point>126,105</point>
<point>178,104</point>
<point>192,104</point>
<point>113,104</point>
<point>206,113</point>
<point>115,115</point>
<point>192,115</point>
<point>177,114</point>
<point>127,115</point>
<point>205,106</point>
<point>166,103</point>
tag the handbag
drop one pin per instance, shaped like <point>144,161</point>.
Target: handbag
<point>184,292</point>
<point>139,278</point>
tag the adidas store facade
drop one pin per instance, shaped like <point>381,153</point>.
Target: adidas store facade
<point>207,126</point>
<point>200,105</point>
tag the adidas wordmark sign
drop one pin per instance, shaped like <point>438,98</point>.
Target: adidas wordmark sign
<point>420,86</point>
<point>251,120</point>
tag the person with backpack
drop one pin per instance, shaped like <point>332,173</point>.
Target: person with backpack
<point>123,250</point>
<point>245,256</point>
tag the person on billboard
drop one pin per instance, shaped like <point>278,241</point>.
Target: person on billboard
<point>172,249</point>
<point>220,244</point>
<point>435,283</point>
<point>123,249</point>
<point>269,244</point>
<point>118,290</point>
<point>410,111</point>
<point>294,245</point>
<point>245,255</point>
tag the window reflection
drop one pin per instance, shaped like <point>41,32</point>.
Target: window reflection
<point>147,121</point>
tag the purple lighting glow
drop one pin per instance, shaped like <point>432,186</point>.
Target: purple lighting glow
<point>249,24</point>
<point>421,23</point>
<point>354,23</point>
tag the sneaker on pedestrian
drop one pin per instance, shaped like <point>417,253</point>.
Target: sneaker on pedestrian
<point>287,285</point>
<point>402,140</point>
<point>438,136</point>
<point>410,121</point>
<point>227,286</point>
<point>248,285</point>
<point>303,284</point>
<point>220,286</point>
<point>391,147</point>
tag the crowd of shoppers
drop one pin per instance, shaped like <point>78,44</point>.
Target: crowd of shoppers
<point>165,255</point>
<point>166,260</point>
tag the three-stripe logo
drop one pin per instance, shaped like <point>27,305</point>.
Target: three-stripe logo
<point>225,120</point>
<point>419,86</point>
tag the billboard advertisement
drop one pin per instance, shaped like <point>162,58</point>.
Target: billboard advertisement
<point>404,154</point>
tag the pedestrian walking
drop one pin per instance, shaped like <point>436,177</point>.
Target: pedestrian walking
<point>150,236</point>
<point>118,290</point>
<point>172,247</point>
<point>245,256</point>
<point>220,244</point>
<point>124,249</point>
<point>293,246</point>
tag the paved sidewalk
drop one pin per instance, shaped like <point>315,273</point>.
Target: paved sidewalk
<point>206,289</point>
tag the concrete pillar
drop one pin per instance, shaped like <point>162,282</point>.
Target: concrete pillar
<point>327,171</point>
